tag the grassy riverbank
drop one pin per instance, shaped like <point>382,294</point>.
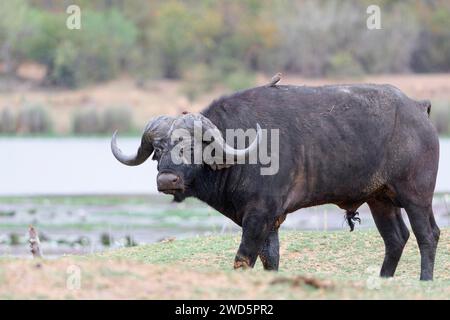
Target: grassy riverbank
<point>324,265</point>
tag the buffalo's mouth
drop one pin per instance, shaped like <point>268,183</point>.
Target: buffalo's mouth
<point>178,194</point>
<point>171,191</point>
<point>170,183</point>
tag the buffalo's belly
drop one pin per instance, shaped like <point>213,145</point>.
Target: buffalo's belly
<point>339,163</point>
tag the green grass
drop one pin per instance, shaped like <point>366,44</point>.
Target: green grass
<point>83,200</point>
<point>350,260</point>
<point>345,265</point>
<point>100,226</point>
<point>132,133</point>
<point>95,200</point>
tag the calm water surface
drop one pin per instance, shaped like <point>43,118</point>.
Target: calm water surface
<point>86,166</point>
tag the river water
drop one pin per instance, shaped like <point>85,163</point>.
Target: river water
<point>62,166</point>
<point>71,166</point>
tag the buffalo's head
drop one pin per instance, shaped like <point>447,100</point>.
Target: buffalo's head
<point>180,146</point>
<point>153,139</point>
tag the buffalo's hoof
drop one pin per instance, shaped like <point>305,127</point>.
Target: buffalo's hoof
<point>242,263</point>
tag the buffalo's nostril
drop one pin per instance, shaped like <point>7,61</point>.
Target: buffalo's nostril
<point>168,181</point>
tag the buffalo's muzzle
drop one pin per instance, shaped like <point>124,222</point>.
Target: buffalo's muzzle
<point>169,182</point>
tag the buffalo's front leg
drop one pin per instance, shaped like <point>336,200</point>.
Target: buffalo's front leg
<point>270,253</point>
<point>255,230</point>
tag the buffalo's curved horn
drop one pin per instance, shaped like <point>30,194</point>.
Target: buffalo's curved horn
<point>239,154</point>
<point>156,129</point>
<point>144,151</point>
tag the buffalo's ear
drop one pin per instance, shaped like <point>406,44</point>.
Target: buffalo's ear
<point>211,159</point>
<point>212,162</point>
<point>216,166</point>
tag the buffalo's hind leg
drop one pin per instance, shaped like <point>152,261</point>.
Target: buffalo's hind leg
<point>418,206</point>
<point>393,230</point>
<point>427,235</point>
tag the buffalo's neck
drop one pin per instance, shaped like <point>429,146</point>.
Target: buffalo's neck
<point>212,188</point>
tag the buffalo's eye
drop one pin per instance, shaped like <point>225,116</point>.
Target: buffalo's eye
<point>157,153</point>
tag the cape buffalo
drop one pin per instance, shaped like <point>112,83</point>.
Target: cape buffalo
<point>344,144</point>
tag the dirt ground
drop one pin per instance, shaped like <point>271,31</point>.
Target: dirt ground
<point>165,97</point>
<point>314,265</point>
<point>124,280</point>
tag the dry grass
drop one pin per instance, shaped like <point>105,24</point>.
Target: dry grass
<point>314,265</point>
<point>166,97</point>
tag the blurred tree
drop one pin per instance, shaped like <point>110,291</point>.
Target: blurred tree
<point>228,39</point>
<point>7,121</point>
<point>432,52</point>
<point>33,119</point>
<point>386,51</point>
<point>117,118</point>
<point>97,52</point>
<point>87,122</point>
<point>14,28</point>
<point>172,37</point>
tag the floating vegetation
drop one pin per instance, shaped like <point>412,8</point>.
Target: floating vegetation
<point>79,241</point>
<point>106,239</point>
<point>129,241</point>
<point>14,239</point>
<point>77,225</point>
<point>44,237</point>
<point>7,213</point>
<point>82,241</point>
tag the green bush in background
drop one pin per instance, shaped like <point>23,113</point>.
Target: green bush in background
<point>7,121</point>
<point>433,50</point>
<point>343,64</point>
<point>86,122</point>
<point>29,119</point>
<point>16,28</point>
<point>92,121</point>
<point>117,118</point>
<point>75,58</point>
<point>239,80</point>
<point>33,119</point>
<point>440,115</point>
<point>231,39</point>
